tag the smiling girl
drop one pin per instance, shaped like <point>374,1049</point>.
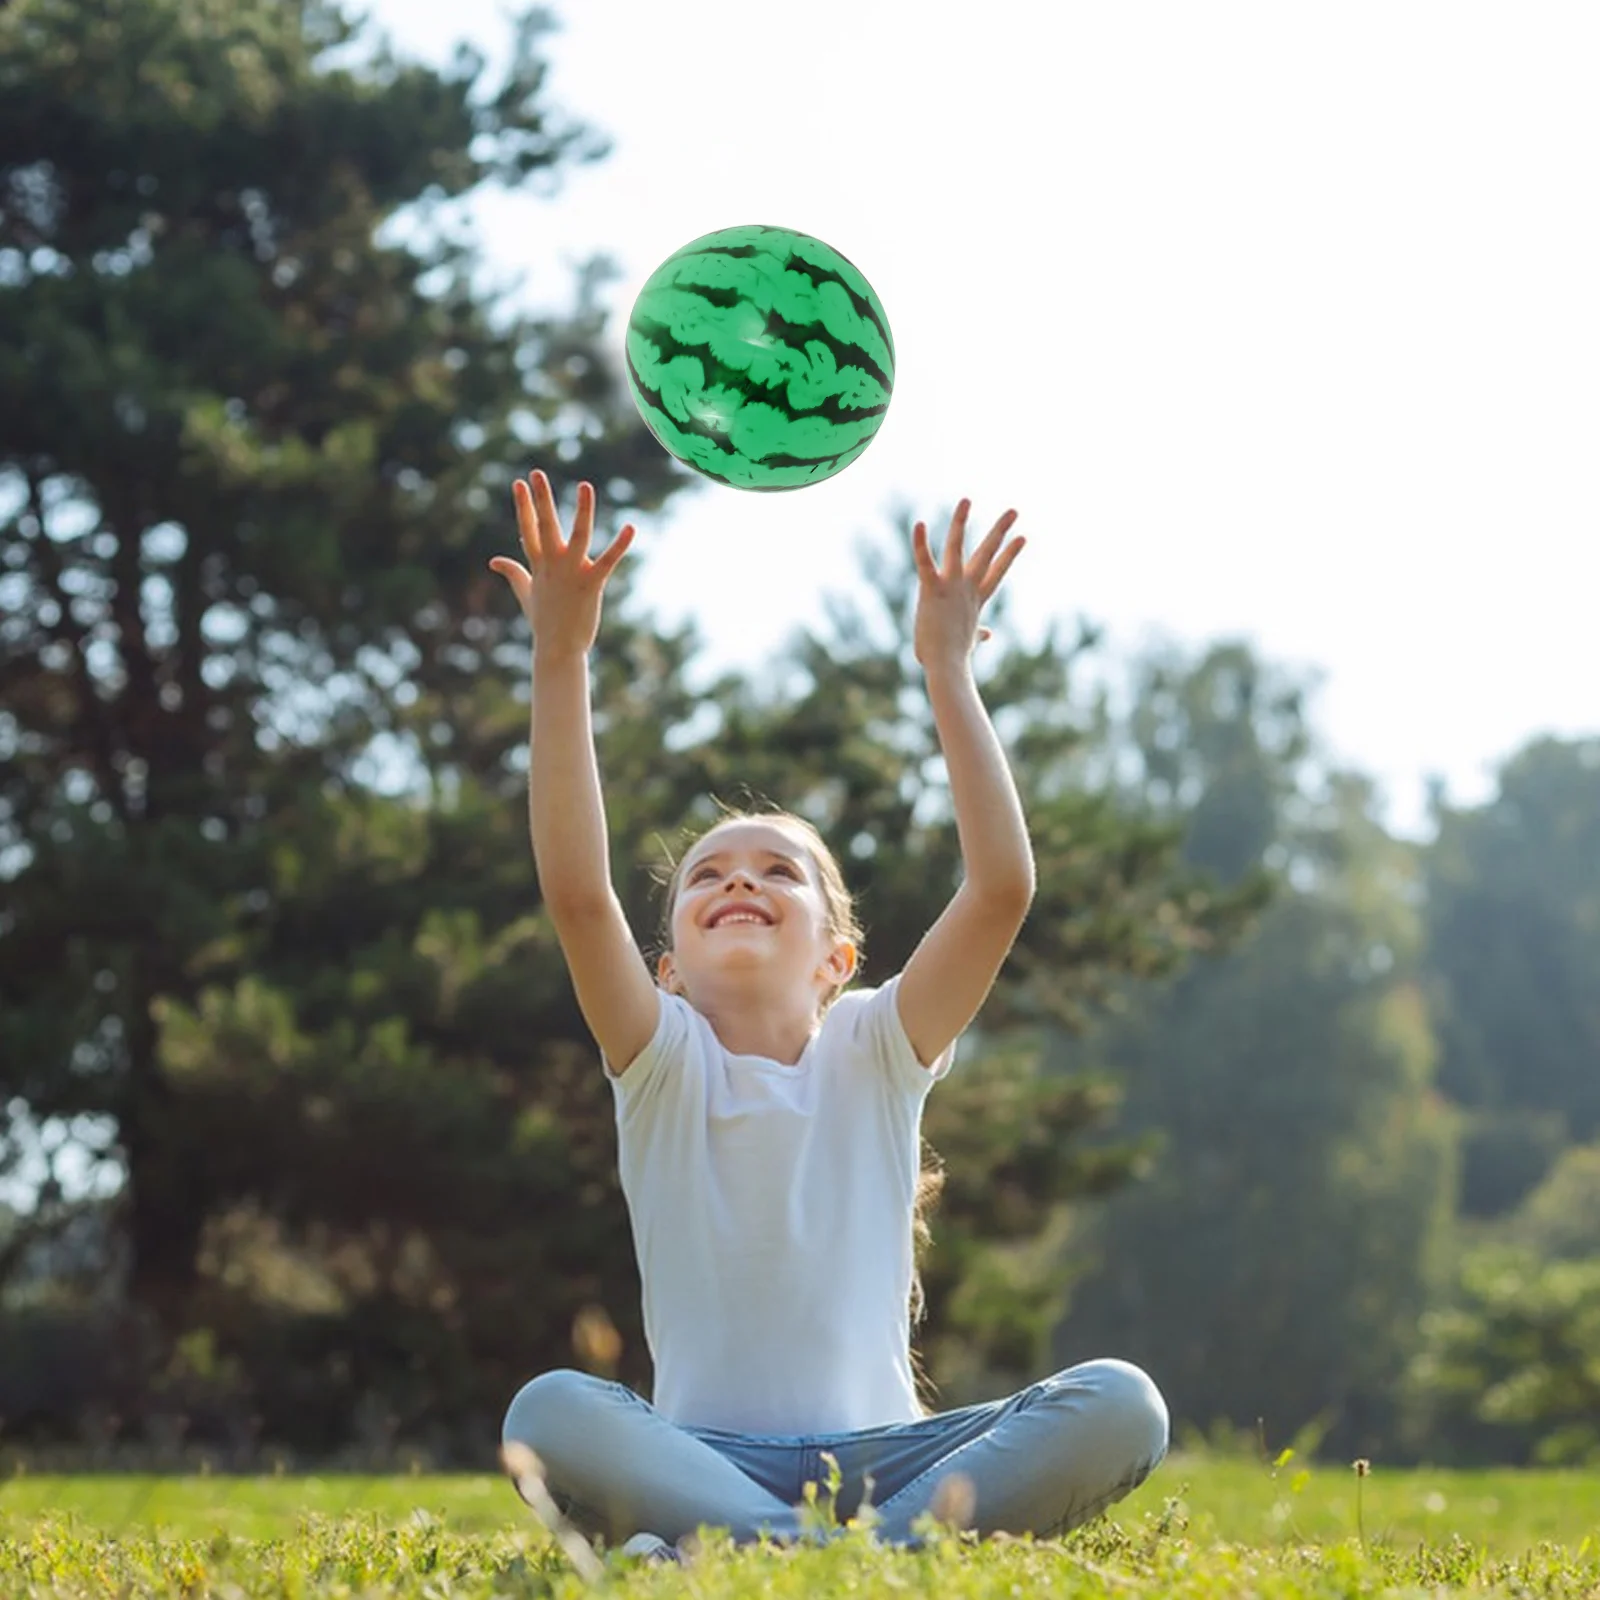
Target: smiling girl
<point>768,1123</point>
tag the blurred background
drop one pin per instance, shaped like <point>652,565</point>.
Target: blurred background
<point>1280,332</point>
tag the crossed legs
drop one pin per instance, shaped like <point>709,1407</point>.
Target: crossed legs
<point>1045,1460</point>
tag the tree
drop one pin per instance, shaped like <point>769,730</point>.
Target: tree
<point>1509,1369</point>
<point>1275,1261</point>
<point>1509,1363</point>
<point>1019,1148</point>
<point>253,458</point>
<point>1513,930</point>
<point>1560,1219</point>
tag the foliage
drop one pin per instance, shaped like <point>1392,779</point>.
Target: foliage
<point>1275,1262</point>
<point>1511,1368</point>
<point>251,444</point>
<point>1513,920</point>
<point>1021,1149</point>
<point>1560,1220</point>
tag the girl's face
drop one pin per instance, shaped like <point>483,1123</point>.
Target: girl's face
<point>750,905</point>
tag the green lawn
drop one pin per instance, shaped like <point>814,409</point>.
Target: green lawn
<point>1201,1528</point>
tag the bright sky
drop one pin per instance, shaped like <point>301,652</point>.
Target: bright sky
<point>1271,319</point>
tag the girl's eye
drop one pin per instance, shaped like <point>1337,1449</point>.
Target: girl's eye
<point>700,874</point>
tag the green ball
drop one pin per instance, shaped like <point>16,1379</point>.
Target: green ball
<point>760,357</point>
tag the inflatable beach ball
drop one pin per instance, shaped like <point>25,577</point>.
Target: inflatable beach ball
<point>760,357</point>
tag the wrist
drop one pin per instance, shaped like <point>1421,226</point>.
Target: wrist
<point>554,657</point>
<point>948,668</point>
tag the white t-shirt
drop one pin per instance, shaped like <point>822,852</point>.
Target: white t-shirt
<point>772,1211</point>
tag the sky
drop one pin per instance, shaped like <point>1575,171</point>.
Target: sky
<point>1273,321</point>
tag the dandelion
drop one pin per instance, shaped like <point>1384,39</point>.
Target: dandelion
<point>1362,1468</point>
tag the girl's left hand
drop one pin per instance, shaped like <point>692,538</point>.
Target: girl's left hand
<point>950,596</point>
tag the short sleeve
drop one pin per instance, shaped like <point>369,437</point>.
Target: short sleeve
<point>878,1029</point>
<point>639,1081</point>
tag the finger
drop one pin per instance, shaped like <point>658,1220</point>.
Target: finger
<point>583,521</point>
<point>515,574</point>
<point>606,563</point>
<point>958,532</point>
<point>1002,566</point>
<point>544,504</point>
<point>984,554</point>
<point>527,521</point>
<point>920,552</point>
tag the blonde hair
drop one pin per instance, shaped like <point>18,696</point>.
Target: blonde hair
<point>843,923</point>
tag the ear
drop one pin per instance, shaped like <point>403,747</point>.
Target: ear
<point>840,966</point>
<point>667,973</point>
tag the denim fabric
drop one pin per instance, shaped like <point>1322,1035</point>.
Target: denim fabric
<point>1042,1461</point>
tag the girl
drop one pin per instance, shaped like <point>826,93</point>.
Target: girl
<point>768,1132</point>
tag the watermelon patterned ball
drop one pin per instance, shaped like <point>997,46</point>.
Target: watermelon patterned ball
<point>760,357</point>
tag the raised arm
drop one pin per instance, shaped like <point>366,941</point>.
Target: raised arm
<point>951,972</point>
<point>560,594</point>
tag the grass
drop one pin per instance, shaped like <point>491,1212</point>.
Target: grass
<point>1201,1528</point>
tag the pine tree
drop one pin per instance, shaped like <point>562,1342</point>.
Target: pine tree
<point>254,454</point>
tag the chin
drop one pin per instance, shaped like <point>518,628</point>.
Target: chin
<point>736,964</point>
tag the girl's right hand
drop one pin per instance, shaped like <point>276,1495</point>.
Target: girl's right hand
<point>559,590</point>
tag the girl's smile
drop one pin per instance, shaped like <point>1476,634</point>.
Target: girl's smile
<point>737,915</point>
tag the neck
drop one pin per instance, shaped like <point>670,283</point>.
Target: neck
<point>758,1025</point>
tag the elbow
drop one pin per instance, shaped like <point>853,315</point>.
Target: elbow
<point>1023,899</point>
<point>1021,885</point>
<point>1009,897</point>
<point>568,906</point>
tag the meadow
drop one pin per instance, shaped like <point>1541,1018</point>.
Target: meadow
<point>1201,1527</point>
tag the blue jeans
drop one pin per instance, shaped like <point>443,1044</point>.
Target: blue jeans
<point>1045,1460</point>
